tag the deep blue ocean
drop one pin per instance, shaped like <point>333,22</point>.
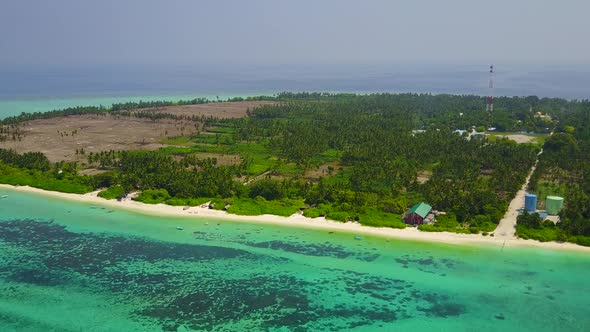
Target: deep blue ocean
<point>42,88</point>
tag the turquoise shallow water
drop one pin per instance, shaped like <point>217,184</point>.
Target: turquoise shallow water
<point>11,107</point>
<point>68,266</point>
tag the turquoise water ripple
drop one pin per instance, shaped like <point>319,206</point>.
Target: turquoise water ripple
<point>68,266</point>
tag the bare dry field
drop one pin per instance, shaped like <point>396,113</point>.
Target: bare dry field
<point>423,176</point>
<point>222,159</point>
<point>222,110</point>
<point>94,133</point>
<point>522,138</point>
<point>59,138</point>
<point>519,138</point>
<point>322,170</point>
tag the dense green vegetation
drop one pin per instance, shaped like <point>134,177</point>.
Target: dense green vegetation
<point>564,170</point>
<point>532,226</point>
<point>28,160</point>
<point>371,140</point>
<point>347,158</point>
<point>34,169</point>
<point>259,205</point>
<point>153,196</point>
<point>113,192</point>
<point>176,201</point>
<point>44,180</point>
<point>444,223</point>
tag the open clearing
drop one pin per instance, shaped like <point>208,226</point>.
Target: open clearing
<point>95,133</point>
<point>519,138</point>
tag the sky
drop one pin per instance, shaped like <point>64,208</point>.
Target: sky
<point>193,32</point>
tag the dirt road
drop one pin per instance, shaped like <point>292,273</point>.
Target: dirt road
<point>507,226</point>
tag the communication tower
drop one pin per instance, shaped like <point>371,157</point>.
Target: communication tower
<point>491,87</point>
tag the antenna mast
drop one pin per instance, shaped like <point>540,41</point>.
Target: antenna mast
<point>491,86</point>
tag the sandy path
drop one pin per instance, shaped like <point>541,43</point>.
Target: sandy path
<point>507,226</point>
<point>259,176</point>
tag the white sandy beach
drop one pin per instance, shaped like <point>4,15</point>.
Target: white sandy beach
<point>299,220</point>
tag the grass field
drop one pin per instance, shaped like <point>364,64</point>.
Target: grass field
<point>59,138</point>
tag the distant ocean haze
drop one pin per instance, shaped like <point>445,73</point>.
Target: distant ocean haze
<point>34,89</point>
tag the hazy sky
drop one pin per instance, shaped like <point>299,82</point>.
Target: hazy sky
<point>84,32</point>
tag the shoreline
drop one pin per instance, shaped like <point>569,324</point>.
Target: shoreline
<point>298,220</point>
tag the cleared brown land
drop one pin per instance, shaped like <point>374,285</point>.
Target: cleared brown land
<point>323,170</point>
<point>519,138</point>
<point>423,176</point>
<point>223,110</point>
<point>222,159</point>
<point>91,171</point>
<point>95,133</point>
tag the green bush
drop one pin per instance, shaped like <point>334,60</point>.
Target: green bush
<point>43,180</point>
<point>581,240</point>
<point>267,188</point>
<point>153,196</point>
<point>429,228</point>
<point>220,203</point>
<point>312,213</point>
<point>259,205</point>
<point>376,218</point>
<point>398,205</point>
<point>483,227</point>
<point>338,216</point>
<point>319,211</point>
<point>112,192</point>
<point>544,234</point>
<point>447,223</point>
<point>176,201</point>
<point>529,220</point>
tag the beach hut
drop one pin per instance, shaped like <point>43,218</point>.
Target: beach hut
<point>416,214</point>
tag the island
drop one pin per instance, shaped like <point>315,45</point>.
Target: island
<point>347,160</point>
